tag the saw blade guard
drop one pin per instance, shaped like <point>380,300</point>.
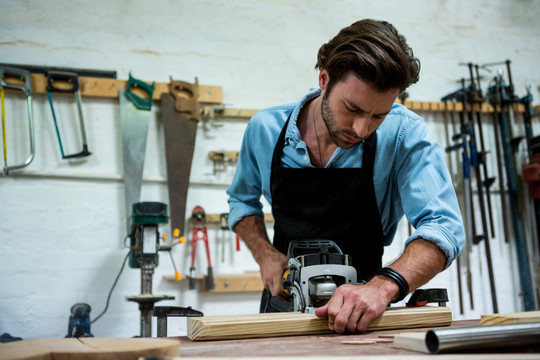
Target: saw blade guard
<point>316,269</point>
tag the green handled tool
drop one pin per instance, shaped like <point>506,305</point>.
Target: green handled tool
<point>134,118</point>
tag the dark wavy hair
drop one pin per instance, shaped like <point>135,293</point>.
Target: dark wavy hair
<point>375,51</point>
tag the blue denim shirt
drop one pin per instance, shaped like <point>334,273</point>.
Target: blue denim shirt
<point>410,173</point>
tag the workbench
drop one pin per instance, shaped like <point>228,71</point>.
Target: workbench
<point>333,345</point>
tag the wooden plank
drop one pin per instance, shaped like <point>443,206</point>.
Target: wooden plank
<point>247,282</point>
<point>88,348</point>
<point>511,318</point>
<point>108,88</point>
<point>411,105</point>
<point>284,324</point>
<point>216,218</point>
<point>250,281</point>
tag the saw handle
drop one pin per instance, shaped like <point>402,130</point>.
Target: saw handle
<point>139,102</point>
<point>69,81</point>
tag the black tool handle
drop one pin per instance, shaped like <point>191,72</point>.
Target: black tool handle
<point>68,79</point>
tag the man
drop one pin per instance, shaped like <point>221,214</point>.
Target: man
<point>345,164</point>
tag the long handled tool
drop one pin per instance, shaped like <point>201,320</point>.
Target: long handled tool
<point>468,132</point>
<point>456,184</point>
<point>200,232</point>
<point>134,118</point>
<point>468,211</point>
<point>67,82</point>
<point>26,87</point>
<point>476,99</point>
<point>180,115</point>
<point>497,98</point>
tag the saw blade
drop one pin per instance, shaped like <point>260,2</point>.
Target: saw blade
<point>134,126</point>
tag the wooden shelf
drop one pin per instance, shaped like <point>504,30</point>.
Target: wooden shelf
<point>249,281</point>
<point>108,88</point>
<point>216,218</point>
<point>411,105</point>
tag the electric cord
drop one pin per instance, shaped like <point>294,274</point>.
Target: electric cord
<point>112,288</point>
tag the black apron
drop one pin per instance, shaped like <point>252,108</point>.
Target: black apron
<point>336,204</point>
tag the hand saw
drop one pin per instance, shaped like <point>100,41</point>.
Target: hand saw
<point>26,87</point>
<point>67,82</point>
<point>180,114</point>
<point>134,119</point>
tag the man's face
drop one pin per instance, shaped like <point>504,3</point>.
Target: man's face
<point>352,109</point>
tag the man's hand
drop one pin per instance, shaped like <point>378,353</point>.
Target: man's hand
<point>271,262</point>
<point>272,267</point>
<point>353,307</point>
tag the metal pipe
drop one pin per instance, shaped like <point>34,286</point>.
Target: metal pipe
<point>482,337</point>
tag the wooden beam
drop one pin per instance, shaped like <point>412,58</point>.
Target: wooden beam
<point>285,324</point>
<point>250,281</point>
<point>411,105</point>
<point>246,282</point>
<point>108,88</point>
<point>216,218</point>
<point>511,318</point>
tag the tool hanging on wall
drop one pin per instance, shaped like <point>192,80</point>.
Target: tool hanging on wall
<point>67,83</point>
<point>180,115</point>
<point>199,232</point>
<point>449,121</point>
<point>7,74</point>
<point>501,98</point>
<point>225,232</point>
<point>476,99</point>
<point>134,118</point>
<point>469,129</point>
<point>468,217</point>
<point>144,244</point>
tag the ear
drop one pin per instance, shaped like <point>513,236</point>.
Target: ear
<point>324,78</point>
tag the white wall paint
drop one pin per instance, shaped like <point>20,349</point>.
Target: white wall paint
<point>61,239</point>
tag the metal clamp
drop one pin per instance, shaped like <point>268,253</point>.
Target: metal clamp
<point>163,312</point>
<point>26,87</point>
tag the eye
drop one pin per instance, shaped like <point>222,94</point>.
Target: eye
<point>350,109</point>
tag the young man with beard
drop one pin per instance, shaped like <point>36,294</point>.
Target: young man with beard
<point>345,163</point>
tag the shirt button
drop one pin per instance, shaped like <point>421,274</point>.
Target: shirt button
<point>305,158</point>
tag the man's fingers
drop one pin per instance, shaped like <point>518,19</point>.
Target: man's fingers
<point>322,311</point>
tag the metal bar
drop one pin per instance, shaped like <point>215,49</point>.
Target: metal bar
<point>482,337</point>
<point>36,69</point>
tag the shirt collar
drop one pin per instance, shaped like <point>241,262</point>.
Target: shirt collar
<point>292,135</point>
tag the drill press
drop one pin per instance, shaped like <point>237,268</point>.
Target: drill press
<point>144,244</point>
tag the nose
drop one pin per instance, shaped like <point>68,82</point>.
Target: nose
<point>361,126</point>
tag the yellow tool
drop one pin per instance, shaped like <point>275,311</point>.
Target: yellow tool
<point>19,80</point>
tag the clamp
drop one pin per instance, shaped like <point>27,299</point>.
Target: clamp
<point>422,297</point>
<point>164,312</point>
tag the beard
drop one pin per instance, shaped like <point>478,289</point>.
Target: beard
<point>329,118</point>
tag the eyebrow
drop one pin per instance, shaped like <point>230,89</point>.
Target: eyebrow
<point>356,108</point>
